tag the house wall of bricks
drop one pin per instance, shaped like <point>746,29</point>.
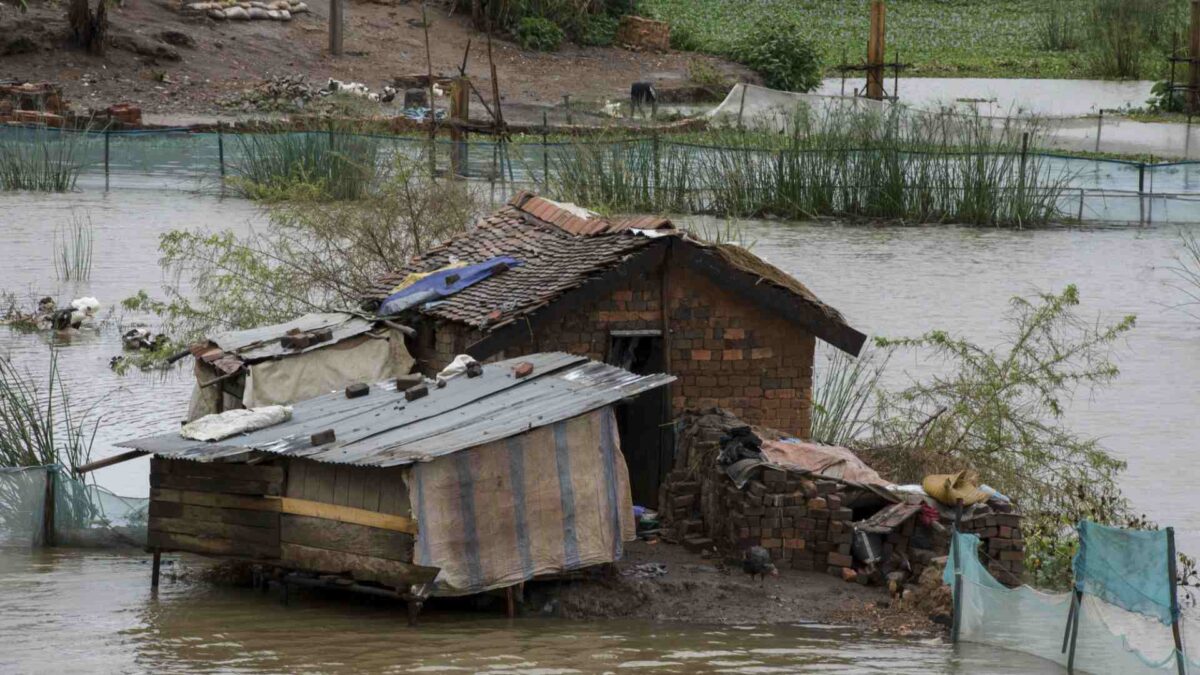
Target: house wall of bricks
<point>724,349</point>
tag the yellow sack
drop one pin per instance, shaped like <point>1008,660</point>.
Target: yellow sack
<point>948,488</point>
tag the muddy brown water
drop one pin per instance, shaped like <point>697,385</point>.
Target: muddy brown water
<point>92,611</point>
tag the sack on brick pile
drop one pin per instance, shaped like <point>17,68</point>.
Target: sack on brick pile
<point>948,488</point>
<point>822,460</point>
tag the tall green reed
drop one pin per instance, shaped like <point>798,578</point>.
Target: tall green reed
<point>41,158</point>
<point>39,428</point>
<point>896,165</point>
<point>843,394</point>
<point>337,164</point>
<point>73,250</point>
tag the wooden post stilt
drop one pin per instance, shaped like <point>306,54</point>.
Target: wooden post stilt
<point>510,603</point>
<point>156,570</point>
<point>336,20</point>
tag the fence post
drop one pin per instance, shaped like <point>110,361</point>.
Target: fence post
<point>545,154</point>
<point>567,104</point>
<point>1172,574</point>
<point>106,159</point>
<point>1099,127</point>
<point>221,149</point>
<point>1141,193</point>
<point>956,551</point>
<point>655,157</point>
<point>48,508</point>
<point>1024,159</point>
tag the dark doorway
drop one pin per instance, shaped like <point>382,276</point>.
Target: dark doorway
<point>644,422</point>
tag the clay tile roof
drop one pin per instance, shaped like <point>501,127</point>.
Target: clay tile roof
<point>554,260</point>
<point>562,247</point>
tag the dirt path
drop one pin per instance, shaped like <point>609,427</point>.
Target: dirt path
<point>217,60</point>
<point>699,590</point>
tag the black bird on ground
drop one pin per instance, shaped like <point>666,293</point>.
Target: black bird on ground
<point>757,562</point>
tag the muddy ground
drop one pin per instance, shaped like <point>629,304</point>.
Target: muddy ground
<point>698,589</point>
<point>179,65</point>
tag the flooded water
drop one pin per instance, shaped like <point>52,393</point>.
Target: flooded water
<point>1002,96</point>
<point>90,612</point>
<point>94,612</point>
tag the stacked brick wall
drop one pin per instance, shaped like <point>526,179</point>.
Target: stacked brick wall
<point>803,520</point>
<point>725,350</point>
<point>1003,543</point>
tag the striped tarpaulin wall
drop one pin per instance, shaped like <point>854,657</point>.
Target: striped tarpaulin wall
<point>553,499</point>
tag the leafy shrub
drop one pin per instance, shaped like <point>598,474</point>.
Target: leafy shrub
<point>538,34</point>
<point>1057,26</point>
<point>685,40</point>
<point>1127,36</point>
<point>780,52</point>
<point>706,74</point>
<point>599,30</point>
<point>1165,99</point>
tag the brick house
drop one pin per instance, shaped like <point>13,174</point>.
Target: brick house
<point>737,332</point>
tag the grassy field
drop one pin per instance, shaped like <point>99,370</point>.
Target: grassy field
<point>945,38</point>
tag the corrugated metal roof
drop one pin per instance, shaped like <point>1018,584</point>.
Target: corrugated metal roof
<point>257,344</point>
<point>382,429</point>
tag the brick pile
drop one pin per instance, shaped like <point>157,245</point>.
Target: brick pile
<point>802,519</point>
<point>1003,541</point>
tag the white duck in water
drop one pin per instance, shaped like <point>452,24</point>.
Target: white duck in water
<point>82,309</point>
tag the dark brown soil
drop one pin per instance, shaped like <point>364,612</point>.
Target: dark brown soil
<point>702,590</point>
<point>175,64</point>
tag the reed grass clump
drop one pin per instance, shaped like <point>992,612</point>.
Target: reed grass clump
<point>38,428</point>
<point>334,164</point>
<point>41,159</point>
<point>896,165</point>
<point>73,250</point>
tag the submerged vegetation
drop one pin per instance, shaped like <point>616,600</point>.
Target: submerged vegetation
<point>997,410</point>
<point>860,164</point>
<point>40,427</point>
<point>42,159</point>
<point>73,250</point>
<point>335,164</point>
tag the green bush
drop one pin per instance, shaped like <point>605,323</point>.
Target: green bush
<point>538,34</point>
<point>599,30</point>
<point>780,52</point>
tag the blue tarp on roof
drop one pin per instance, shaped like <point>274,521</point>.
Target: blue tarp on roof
<point>443,283</point>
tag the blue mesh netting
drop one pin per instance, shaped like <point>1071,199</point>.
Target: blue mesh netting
<point>1110,639</point>
<point>1128,568</point>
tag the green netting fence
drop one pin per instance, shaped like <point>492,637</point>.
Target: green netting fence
<point>47,506</point>
<point>1092,190</point>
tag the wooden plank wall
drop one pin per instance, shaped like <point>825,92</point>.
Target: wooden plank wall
<point>360,487</point>
<point>367,553</point>
<point>216,509</point>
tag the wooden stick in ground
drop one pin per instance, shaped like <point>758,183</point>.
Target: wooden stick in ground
<point>497,115</point>
<point>429,73</point>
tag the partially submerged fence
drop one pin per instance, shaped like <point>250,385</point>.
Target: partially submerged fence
<point>1095,190</point>
<point>46,506</point>
<point>1123,615</point>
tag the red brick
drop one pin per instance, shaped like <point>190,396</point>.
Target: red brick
<point>701,355</point>
<point>732,355</point>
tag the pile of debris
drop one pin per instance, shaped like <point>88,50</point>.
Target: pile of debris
<point>281,92</point>
<point>279,10</point>
<point>817,508</point>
